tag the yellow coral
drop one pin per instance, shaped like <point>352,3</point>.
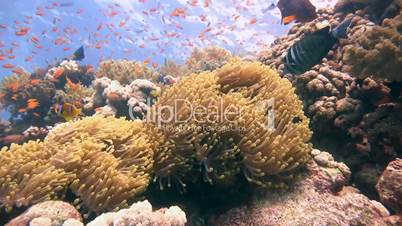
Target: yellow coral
<point>104,161</point>
<point>240,141</point>
<point>125,71</point>
<point>216,123</point>
<point>27,177</point>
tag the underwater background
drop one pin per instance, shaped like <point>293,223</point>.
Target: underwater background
<point>201,112</point>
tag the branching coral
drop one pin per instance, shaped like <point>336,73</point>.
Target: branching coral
<point>125,71</point>
<point>377,52</point>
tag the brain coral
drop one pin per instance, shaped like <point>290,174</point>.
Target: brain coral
<point>125,71</point>
<point>221,119</point>
<point>377,51</point>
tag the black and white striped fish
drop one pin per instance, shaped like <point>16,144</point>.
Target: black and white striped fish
<point>312,48</point>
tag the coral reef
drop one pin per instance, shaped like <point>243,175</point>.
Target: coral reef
<point>30,98</point>
<point>53,213</point>
<point>376,51</point>
<point>170,68</point>
<point>141,213</point>
<point>357,119</point>
<point>112,98</point>
<point>125,72</point>
<point>106,163</point>
<point>389,186</point>
<point>49,213</point>
<point>70,69</point>
<point>376,9</point>
<point>26,97</point>
<point>321,198</point>
<point>208,59</point>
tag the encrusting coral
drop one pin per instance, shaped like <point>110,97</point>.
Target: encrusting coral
<point>377,51</point>
<point>107,162</point>
<point>125,71</point>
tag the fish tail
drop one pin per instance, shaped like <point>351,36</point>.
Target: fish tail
<point>342,29</point>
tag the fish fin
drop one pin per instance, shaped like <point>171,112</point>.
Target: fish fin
<point>289,19</point>
<point>341,30</point>
<point>79,54</point>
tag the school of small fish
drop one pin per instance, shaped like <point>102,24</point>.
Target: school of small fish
<point>144,30</point>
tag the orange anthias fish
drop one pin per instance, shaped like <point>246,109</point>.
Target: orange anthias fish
<point>72,85</point>
<point>32,104</point>
<point>8,66</point>
<point>297,10</point>
<point>35,82</point>
<point>13,86</point>
<point>179,12</point>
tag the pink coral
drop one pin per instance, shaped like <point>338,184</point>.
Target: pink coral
<point>47,213</point>
<point>141,213</point>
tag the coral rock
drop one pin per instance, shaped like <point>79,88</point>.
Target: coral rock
<point>389,186</point>
<point>132,100</point>
<point>311,201</point>
<point>50,213</point>
<point>141,213</point>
